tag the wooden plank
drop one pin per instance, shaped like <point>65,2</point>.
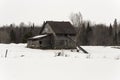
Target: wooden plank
<point>83,50</point>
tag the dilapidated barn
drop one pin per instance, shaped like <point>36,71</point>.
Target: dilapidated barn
<point>54,35</point>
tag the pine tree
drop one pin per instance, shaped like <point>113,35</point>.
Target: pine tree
<point>12,36</point>
<point>110,30</point>
<point>115,40</point>
<point>110,35</point>
<point>81,40</point>
<point>88,33</point>
<point>26,36</point>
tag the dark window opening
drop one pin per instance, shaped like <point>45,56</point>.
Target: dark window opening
<point>66,34</point>
<point>40,42</point>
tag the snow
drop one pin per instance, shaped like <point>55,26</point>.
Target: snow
<point>39,36</point>
<point>102,63</point>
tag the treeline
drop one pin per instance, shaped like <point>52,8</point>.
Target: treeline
<point>95,34</point>
<point>87,33</point>
<point>98,34</point>
<point>18,34</point>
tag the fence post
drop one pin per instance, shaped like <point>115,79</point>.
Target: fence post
<point>6,53</point>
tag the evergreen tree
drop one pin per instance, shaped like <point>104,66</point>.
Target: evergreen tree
<point>115,39</point>
<point>12,36</point>
<point>119,37</point>
<point>26,36</point>
<point>110,35</point>
<point>88,34</point>
<point>82,36</point>
<point>110,30</point>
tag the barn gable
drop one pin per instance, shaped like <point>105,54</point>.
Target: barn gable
<point>47,30</point>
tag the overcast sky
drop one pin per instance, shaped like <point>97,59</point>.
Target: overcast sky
<point>98,11</point>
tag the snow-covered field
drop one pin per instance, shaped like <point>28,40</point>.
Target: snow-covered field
<point>103,63</point>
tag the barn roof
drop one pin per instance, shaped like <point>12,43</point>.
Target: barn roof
<point>61,27</point>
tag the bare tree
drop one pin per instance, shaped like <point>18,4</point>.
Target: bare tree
<point>76,19</point>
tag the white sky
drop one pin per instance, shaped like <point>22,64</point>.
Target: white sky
<point>98,11</point>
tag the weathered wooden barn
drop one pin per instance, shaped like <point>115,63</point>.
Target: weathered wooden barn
<point>54,35</point>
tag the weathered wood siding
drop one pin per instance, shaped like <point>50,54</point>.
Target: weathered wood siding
<point>46,42</point>
<point>33,43</point>
<point>62,42</point>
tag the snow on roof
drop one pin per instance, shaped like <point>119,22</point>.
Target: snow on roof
<point>38,36</point>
